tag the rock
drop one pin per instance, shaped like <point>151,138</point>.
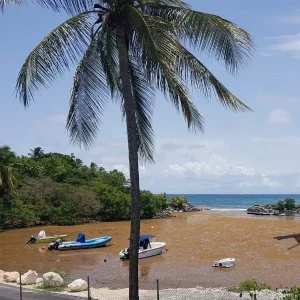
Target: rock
<point>39,280</point>
<point>1,275</point>
<point>78,285</point>
<point>52,279</point>
<point>10,276</point>
<point>28,278</point>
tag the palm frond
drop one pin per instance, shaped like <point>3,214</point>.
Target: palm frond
<point>143,94</point>
<point>177,3</point>
<point>107,49</point>
<point>209,33</point>
<point>53,56</point>
<point>72,7</point>
<point>152,41</point>
<point>88,98</point>
<point>196,73</point>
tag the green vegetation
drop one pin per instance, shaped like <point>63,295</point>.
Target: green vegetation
<point>52,288</point>
<point>62,273</point>
<point>54,188</point>
<point>178,202</point>
<point>286,204</point>
<point>250,285</point>
<point>292,294</point>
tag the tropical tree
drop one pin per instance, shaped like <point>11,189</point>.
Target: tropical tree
<point>7,179</point>
<point>36,153</point>
<point>129,49</point>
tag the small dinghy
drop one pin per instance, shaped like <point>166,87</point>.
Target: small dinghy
<point>80,243</point>
<point>147,248</point>
<point>43,238</point>
<point>224,263</point>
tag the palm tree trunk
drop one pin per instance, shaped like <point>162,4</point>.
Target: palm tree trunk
<point>132,137</point>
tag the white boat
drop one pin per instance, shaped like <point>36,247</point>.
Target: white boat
<point>224,263</point>
<point>148,247</point>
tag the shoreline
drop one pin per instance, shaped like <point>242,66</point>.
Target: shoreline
<point>197,292</point>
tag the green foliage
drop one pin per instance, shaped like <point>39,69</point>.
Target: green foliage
<point>178,201</point>
<point>52,288</point>
<point>251,285</point>
<point>61,272</point>
<point>286,204</point>
<point>56,188</point>
<point>292,294</point>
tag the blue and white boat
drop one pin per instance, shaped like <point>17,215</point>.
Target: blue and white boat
<point>80,243</point>
<point>147,247</point>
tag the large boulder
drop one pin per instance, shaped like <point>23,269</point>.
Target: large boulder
<point>78,285</point>
<point>10,276</point>
<point>52,279</point>
<point>28,278</point>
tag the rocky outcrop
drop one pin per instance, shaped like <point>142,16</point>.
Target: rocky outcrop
<point>269,210</point>
<point>261,210</point>
<point>28,278</point>
<point>78,285</point>
<point>52,279</point>
<point>10,276</point>
<point>186,208</point>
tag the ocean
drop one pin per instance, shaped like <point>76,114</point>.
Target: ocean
<point>234,202</point>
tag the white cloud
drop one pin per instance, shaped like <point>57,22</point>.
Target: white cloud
<point>279,117</point>
<point>289,44</point>
<point>269,183</point>
<point>216,166</point>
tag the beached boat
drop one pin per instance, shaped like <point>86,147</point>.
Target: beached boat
<point>224,263</point>
<point>148,247</point>
<point>80,243</point>
<point>43,238</point>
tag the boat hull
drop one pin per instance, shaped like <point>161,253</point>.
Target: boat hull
<point>224,263</point>
<point>49,239</point>
<point>91,243</point>
<point>156,249</point>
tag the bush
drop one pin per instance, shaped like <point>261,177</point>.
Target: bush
<point>251,285</point>
<point>178,201</point>
<point>286,204</point>
<point>292,294</point>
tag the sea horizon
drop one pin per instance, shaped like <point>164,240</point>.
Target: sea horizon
<point>234,202</point>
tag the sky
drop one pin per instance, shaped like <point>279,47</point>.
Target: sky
<point>254,152</point>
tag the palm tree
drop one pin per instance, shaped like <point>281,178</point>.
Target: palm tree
<point>128,49</point>
<point>7,179</point>
<point>36,153</point>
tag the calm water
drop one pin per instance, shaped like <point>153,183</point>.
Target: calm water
<point>235,201</point>
<point>194,241</point>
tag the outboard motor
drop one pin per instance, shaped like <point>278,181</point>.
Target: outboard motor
<point>32,240</point>
<point>54,245</point>
<point>125,255</point>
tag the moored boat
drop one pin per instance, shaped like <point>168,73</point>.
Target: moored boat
<point>43,238</point>
<point>225,262</point>
<point>80,243</point>
<point>148,247</point>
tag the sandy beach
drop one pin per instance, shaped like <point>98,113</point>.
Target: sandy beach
<point>194,240</point>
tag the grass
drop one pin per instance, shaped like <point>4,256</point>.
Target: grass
<point>52,288</point>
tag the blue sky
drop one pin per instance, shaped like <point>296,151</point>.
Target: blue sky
<point>238,153</point>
